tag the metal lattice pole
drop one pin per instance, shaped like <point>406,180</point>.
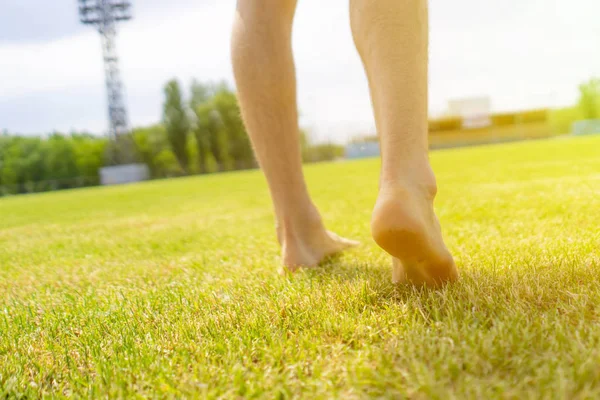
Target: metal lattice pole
<point>104,15</point>
<point>114,87</point>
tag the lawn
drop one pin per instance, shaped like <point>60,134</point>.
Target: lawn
<point>170,288</point>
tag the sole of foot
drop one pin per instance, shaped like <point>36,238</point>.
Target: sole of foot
<point>404,224</point>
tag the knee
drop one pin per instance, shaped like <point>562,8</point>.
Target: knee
<point>261,25</point>
<point>266,11</point>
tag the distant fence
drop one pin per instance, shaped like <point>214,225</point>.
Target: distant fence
<point>362,150</point>
<point>107,176</point>
<point>586,127</point>
<point>129,173</point>
<point>501,127</point>
<point>48,185</point>
<point>455,131</point>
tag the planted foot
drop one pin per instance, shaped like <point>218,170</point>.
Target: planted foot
<point>306,243</point>
<point>405,225</point>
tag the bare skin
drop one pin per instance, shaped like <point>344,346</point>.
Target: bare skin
<point>391,37</point>
<point>266,82</point>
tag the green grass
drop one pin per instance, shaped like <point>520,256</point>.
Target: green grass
<point>169,288</point>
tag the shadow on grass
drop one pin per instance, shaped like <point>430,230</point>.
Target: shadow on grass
<point>482,293</point>
<point>375,280</point>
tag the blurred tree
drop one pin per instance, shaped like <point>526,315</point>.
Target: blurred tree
<point>3,147</point>
<point>304,145</point>
<point>61,161</point>
<point>10,164</point>
<point>561,119</point>
<point>121,150</point>
<point>89,156</point>
<point>176,122</point>
<point>319,152</point>
<point>239,148</point>
<point>219,142</point>
<point>204,124</point>
<point>153,145</point>
<point>33,152</point>
<point>167,164</point>
<point>589,99</point>
<point>208,135</point>
<point>192,150</point>
<point>200,93</point>
<point>215,127</point>
<point>588,107</point>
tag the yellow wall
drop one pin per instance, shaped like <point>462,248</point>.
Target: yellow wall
<point>530,124</point>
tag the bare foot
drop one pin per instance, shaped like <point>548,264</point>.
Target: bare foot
<point>405,225</point>
<point>306,243</point>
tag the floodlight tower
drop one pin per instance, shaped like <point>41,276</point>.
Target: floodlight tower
<point>104,15</point>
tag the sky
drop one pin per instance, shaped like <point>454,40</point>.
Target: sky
<point>520,53</point>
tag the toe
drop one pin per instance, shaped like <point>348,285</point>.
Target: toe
<point>343,242</point>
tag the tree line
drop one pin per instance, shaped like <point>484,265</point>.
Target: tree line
<point>587,107</point>
<point>200,134</point>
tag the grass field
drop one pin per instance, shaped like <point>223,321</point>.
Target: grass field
<point>169,288</point>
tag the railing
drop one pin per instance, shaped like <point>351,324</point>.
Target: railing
<point>48,185</point>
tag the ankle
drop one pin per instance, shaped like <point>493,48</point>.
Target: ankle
<point>413,179</point>
<point>297,223</point>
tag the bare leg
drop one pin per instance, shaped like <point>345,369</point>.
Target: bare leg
<point>265,75</point>
<point>392,39</point>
